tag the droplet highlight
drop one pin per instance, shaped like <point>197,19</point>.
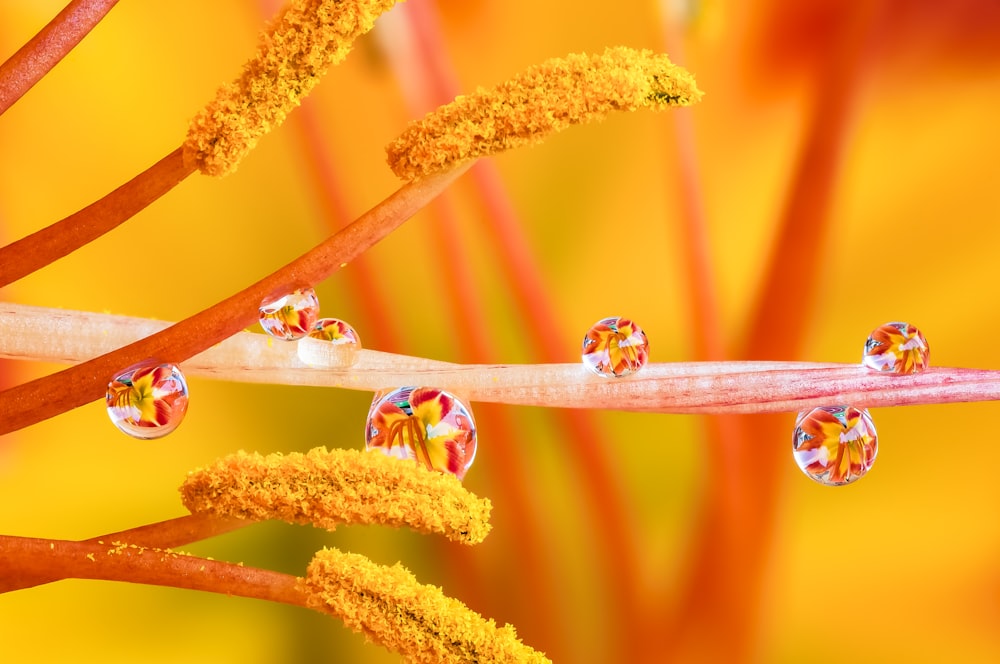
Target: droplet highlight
<point>148,400</point>
<point>332,344</point>
<point>615,347</point>
<point>898,348</point>
<point>290,316</point>
<point>431,426</point>
<point>835,445</point>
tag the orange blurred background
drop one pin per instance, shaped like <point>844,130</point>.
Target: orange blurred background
<point>600,517</point>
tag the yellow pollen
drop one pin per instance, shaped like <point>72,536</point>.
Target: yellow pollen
<point>420,622</point>
<point>540,101</point>
<point>330,488</point>
<point>292,54</point>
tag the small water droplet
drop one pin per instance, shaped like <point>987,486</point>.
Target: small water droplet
<point>290,316</point>
<point>898,348</point>
<point>433,427</point>
<point>332,343</point>
<point>147,400</point>
<point>615,347</point>
<point>835,445</point>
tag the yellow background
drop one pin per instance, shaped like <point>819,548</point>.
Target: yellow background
<point>899,567</point>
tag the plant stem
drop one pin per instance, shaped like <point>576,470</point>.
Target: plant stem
<point>49,244</point>
<point>724,589</point>
<point>27,558</point>
<point>675,387</point>
<point>415,46</point>
<point>47,397</point>
<point>44,51</point>
<point>163,535</point>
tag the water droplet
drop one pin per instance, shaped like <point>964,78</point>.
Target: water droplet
<point>615,347</point>
<point>332,343</point>
<point>835,445</point>
<point>148,400</point>
<point>898,348</point>
<point>290,316</point>
<point>431,426</point>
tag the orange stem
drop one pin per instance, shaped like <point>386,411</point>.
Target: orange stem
<point>424,67</point>
<point>470,322</point>
<point>44,51</point>
<point>721,432</point>
<point>607,506</point>
<point>724,588</point>
<point>380,331</point>
<point>163,535</point>
<point>37,250</point>
<point>27,558</point>
<point>47,397</point>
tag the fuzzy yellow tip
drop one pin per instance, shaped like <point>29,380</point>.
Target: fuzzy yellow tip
<point>418,621</point>
<point>292,54</point>
<point>329,488</point>
<point>542,100</point>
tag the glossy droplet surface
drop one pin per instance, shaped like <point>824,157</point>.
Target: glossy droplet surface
<point>335,331</point>
<point>431,426</point>
<point>835,445</point>
<point>148,400</point>
<point>332,343</point>
<point>290,316</point>
<point>898,348</point>
<point>615,347</point>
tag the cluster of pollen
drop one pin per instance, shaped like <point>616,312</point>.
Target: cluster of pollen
<point>330,488</point>
<point>544,99</point>
<point>437,629</point>
<point>300,45</point>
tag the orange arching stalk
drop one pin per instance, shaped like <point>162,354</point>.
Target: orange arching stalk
<point>294,52</point>
<point>21,258</point>
<point>37,400</point>
<point>31,558</point>
<point>44,51</point>
<point>398,613</point>
<point>163,535</point>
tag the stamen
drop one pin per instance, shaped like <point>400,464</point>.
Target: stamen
<point>542,100</point>
<point>331,488</point>
<point>293,53</point>
<point>390,607</point>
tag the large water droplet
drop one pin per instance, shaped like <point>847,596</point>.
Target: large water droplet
<point>615,347</point>
<point>290,316</point>
<point>898,348</point>
<point>835,445</point>
<point>148,400</point>
<point>431,426</point>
